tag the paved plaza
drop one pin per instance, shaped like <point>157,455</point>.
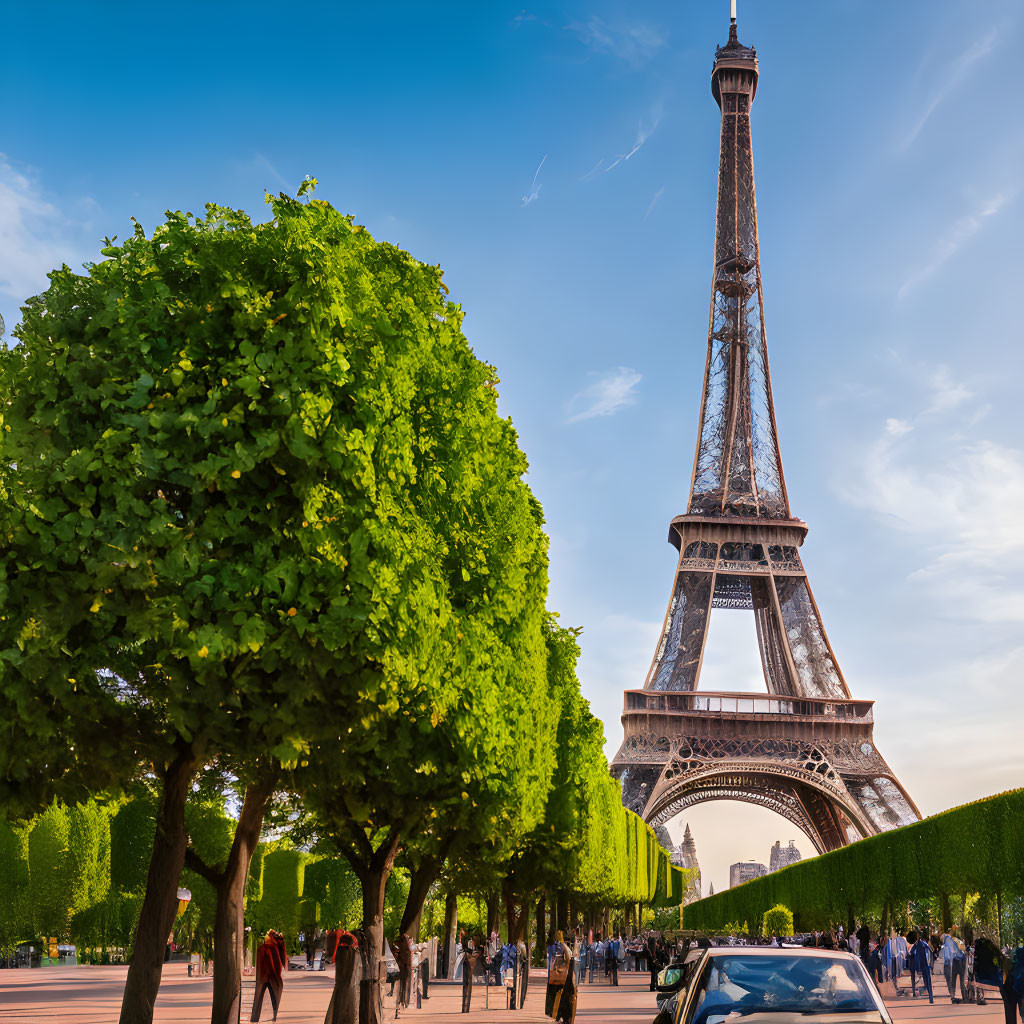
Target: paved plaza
<point>92,995</point>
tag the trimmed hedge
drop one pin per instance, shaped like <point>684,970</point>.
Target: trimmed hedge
<point>976,848</point>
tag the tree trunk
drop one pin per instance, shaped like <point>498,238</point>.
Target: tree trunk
<point>542,936</point>
<point>516,914</point>
<point>883,930</point>
<point>493,906</point>
<point>451,920</point>
<point>229,921</point>
<point>371,942</point>
<point>850,924</point>
<point>561,923</point>
<point>160,904</point>
<point>420,880</point>
<point>344,1006</point>
<point>947,918</point>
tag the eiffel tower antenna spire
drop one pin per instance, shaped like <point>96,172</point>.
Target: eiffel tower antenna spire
<point>805,748</point>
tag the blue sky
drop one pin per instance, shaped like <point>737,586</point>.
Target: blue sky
<point>559,161</point>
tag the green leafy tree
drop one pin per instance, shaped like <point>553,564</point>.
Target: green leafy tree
<point>15,910</point>
<point>68,864</point>
<point>226,451</point>
<point>131,843</point>
<point>284,873</point>
<point>777,921</point>
<point>331,882</point>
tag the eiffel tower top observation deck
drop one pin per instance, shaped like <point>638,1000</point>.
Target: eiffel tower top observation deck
<point>804,748</point>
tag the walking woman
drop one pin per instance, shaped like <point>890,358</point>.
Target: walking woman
<point>271,958</point>
<point>560,997</point>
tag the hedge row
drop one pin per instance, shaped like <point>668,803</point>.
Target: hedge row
<point>977,848</point>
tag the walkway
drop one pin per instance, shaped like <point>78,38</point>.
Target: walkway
<point>92,995</point>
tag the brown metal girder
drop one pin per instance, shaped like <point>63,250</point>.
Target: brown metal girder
<point>766,775</point>
<point>733,394</point>
<point>759,798</point>
<point>707,615</point>
<point>649,695</point>
<point>803,731</point>
<point>764,333</point>
<point>717,529</point>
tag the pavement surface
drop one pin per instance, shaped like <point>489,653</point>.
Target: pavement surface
<point>92,995</point>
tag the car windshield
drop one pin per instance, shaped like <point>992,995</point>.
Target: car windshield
<point>737,986</point>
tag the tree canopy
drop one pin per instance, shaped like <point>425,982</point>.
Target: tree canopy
<point>265,524</point>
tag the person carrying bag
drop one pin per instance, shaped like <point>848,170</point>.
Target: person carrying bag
<point>560,997</point>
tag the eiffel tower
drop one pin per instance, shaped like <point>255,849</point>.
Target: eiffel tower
<point>803,749</point>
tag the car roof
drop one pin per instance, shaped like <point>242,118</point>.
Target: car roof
<point>779,951</point>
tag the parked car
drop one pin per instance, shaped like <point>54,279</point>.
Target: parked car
<point>766,984</point>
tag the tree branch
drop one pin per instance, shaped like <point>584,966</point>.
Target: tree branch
<point>196,863</point>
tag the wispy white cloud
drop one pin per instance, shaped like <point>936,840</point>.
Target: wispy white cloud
<point>951,77</point>
<point>534,192</point>
<point>657,196</point>
<point>643,133</point>
<point>956,498</point>
<point>35,235</point>
<point>264,164</point>
<point>605,395</point>
<point>634,44</point>
<point>947,391</point>
<point>961,232</point>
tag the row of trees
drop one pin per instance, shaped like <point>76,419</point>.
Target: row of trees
<point>79,874</point>
<point>970,857</point>
<point>269,545</point>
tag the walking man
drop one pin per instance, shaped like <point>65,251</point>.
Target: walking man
<point>864,942</point>
<point>614,949</point>
<point>954,963</point>
<point>919,960</point>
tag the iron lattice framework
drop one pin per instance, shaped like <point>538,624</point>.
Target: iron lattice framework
<point>804,749</point>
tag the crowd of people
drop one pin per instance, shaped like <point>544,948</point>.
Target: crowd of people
<point>969,964</point>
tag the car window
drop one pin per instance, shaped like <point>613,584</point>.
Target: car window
<point>731,986</point>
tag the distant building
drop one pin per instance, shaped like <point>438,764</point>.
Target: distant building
<point>685,856</point>
<point>783,856</point>
<point>744,871</point>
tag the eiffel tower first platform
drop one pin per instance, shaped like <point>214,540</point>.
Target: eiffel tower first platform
<point>803,749</point>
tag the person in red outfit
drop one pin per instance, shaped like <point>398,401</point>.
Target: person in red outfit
<point>271,958</point>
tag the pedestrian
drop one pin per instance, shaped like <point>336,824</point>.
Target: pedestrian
<point>523,964</point>
<point>579,954</point>
<point>876,968</point>
<point>864,942</point>
<point>508,973</point>
<point>919,960</point>
<point>954,964</point>
<point>470,956</point>
<point>271,957</point>
<point>652,961</point>
<point>331,940</point>
<point>1011,987</point>
<point>560,996</point>
<point>614,951</point>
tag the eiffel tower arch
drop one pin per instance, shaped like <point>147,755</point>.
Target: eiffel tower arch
<point>805,748</point>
